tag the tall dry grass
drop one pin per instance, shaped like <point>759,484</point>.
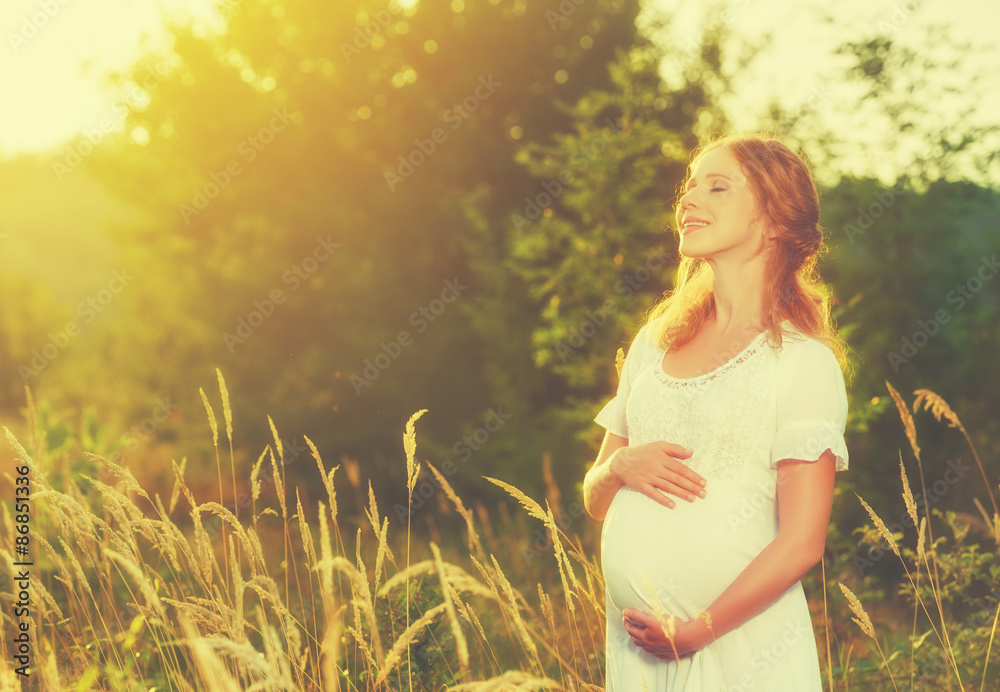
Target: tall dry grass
<point>130,592</point>
<point>134,593</point>
<point>942,649</point>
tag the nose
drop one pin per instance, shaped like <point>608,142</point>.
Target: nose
<point>686,200</point>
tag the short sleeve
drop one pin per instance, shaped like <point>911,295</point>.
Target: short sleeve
<point>612,416</point>
<point>811,409</point>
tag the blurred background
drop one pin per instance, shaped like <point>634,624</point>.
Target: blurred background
<point>357,210</point>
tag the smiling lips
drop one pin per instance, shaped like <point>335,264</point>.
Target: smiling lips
<point>692,223</point>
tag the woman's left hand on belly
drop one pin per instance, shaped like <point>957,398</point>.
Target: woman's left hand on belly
<point>647,633</point>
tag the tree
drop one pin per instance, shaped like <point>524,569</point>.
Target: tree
<point>303,172</point>
<point>587,243</point>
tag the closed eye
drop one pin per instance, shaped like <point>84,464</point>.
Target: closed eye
<point>718,189</point>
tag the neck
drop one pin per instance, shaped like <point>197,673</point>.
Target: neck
<point>739,294</point>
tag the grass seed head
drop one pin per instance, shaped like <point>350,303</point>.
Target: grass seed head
<point>921,532</point>
<point>410,446</point>
<point>937,406</point>
<point>226,410</point>
<point>880,525</point>
<point>211,417</point>
<point>255,474</point>
<point>175,493</point>
<point>904,415</point>
<point>534,509</point>
<point>861,617</point>
<point>911,506</point>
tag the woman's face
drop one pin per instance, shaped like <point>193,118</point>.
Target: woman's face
<point>714,215</point>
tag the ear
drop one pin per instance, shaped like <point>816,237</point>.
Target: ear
<point>759,224</point>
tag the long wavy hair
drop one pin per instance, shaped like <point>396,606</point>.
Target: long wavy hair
<point>788,202</point>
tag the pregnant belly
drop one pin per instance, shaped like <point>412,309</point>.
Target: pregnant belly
<point>683,557</point>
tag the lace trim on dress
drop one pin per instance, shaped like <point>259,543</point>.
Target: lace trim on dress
<point>718,415</point>
<point>748,352</point>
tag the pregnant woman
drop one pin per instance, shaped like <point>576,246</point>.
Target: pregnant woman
<point>715,478</point>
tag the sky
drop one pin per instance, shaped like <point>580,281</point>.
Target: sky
<point>799,67</point>
<point>51,61</point>
<point>53,52</point>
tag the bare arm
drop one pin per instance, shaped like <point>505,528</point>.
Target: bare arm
<point>600,484</point>
<point>805,497</point>
<point>653,469</point>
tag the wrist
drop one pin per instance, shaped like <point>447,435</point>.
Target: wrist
<point>699,631</point>
<point>615,465</point>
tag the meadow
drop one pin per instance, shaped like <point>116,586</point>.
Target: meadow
<point>132,589</point>
<point>368,212</point>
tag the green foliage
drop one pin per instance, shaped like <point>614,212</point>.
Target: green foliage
<point>551,203</point>
<point>357,111</point>
<point>937,616</point>
<point>430,661</point>
<point>904,264</point>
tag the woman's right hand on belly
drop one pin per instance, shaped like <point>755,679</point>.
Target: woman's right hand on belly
<point>656,468</point>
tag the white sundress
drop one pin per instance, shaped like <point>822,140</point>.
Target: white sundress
<point>739,420</point>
